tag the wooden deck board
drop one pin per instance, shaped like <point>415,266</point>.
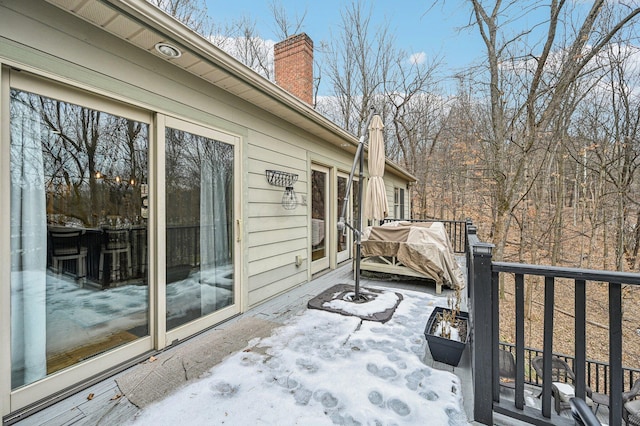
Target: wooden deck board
<point>68,411</point>
<point>54,416</point>
<point>108,412</point>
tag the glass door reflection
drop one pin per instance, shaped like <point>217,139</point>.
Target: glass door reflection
<point>343,237</point>
<point>319,216</point>
<point>199,179</point>
<point>76,173</point>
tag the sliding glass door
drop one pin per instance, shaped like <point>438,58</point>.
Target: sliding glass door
<point>79,278</point>
<point>200,187</point>
<point>122,232</point>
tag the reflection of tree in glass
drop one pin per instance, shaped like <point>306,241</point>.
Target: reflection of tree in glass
<point>318,197</point>
<point>189,158</point>
<point>93,161</point>
<point>199,182</point>
<point>24,160</point>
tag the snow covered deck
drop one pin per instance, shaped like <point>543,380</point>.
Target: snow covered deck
<point>117,399</point>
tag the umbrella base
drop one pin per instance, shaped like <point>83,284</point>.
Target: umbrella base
<point>341,299</point>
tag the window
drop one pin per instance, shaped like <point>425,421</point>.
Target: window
<point>398,203</point>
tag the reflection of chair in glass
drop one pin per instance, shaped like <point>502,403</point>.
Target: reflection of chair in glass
<point>563,386</point>
<point>115,243</point>
<point>66,244</point>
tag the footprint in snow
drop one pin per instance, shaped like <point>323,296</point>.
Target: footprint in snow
<point>429,395</point>
<point>286,382</point>
<point>383,373</point>
<point>375,398</point>
<point>399,407</point>
<point>396,405</point>
<point>326,399</point>
<point>302,396</point>
<point>223,389</point>
<point>307,365</point>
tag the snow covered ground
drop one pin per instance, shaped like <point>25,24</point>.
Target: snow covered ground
<point>324,368</point>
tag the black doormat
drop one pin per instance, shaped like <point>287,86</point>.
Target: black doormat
<point>372,305</point>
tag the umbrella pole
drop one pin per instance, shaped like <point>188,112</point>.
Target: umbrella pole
<point>357,161</point>
<point>359,224</point>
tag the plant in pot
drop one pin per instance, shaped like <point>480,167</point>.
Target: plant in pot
<point>447,332</point>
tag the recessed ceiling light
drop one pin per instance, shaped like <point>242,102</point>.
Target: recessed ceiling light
<point>168,50</point>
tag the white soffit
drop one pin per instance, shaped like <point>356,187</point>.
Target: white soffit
<point>144,25</point>
<point>119,18</point>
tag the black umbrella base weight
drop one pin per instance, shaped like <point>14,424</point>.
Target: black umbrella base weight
<point>341,299</point>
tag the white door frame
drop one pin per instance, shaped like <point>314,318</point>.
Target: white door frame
<point>323,226</point>
<point>206,321</point>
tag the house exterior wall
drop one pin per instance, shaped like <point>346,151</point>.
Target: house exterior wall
<point>41,40</point>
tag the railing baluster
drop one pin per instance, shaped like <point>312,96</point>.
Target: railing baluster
<point>615,353</point>
<point>581,337</point>
<point>547,349</point>
<point>611,376</point>
<point>519,397</point>
<point>495,335</point>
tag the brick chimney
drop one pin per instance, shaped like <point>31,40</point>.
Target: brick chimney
<point>293,66</point>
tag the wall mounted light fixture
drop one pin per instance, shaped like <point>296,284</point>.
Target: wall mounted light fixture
<point>286,179</point>
<point>289,200</point>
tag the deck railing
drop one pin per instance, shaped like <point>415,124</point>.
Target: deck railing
<point>597,371</point>
<point>484,278</point>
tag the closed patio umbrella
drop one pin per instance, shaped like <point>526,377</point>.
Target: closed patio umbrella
<point>375,204</point>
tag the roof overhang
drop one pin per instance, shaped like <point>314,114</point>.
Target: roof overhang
<point>144,25</point>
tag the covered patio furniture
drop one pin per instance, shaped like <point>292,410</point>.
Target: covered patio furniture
<point>563,386</point>
<point>412,249</point>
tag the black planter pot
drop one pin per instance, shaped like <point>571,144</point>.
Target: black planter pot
<point>445,350</point>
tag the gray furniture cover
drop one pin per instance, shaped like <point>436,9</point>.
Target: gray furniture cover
<point>423,247</point>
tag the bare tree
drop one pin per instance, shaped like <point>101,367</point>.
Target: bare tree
<point>613,144</point>
<point>354,67</point>
<point>192,13</point>
<point>285,25</point>
<point>522,124</point>
<point>241,39</point>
